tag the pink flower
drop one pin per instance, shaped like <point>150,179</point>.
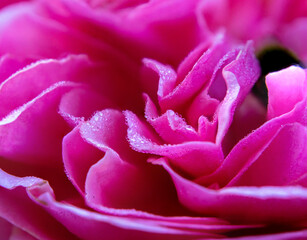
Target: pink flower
<point>138,120</point>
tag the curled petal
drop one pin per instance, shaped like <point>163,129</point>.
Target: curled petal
<point>17,208</point>
<point>242,154</point>
<point>171,127</point>
<point>198,76</point>
<point>194,158</point>
<point>288,151</point>
<point>78,157</point>
<point>47,71</point>
<point>265,204</point>
<point>24,131</point>
<point>79,104</point>
<point>44,217</point>
<point>240,75</point>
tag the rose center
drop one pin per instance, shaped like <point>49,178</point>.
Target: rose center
<point>272,59</point>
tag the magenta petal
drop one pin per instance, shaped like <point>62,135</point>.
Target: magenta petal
<point>250,115</point>
<point>19,234</point>
<point>194,158</point>
<point>95,225</point>
<point>243,20</point>
<point>240,75</point>
<point>167,38</point>
<point>115,183</point>
<point>10,64</point>
<point>199,75</point>
<point>86,144</point>
<point>107,130</point>
<point>297,30</point>
<point>27,133</point>
<point>202,105</point>
<point>80,104</point>
<point>6,229</point>
<point>48,72</point>
<point>115,5</point>
<point>78,157</point>
<point>5,3</point>
<point>167,77</point>
<point>243,154</point>
<point>111,182</point>
<point>17,208</point>
<point>171,127</point>
<point>246,204</point>
<point>286,88</point>
<point>122,179</point>
<point>288,151</point>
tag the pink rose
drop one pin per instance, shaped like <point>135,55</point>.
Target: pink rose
<point>136,120</point>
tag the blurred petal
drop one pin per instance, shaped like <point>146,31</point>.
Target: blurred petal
<point>293,36</point>
<point>17,208</point>
<point>10,64</point>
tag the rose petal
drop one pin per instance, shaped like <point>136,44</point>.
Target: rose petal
<point>27,134</point>
<point>104,131</point>
<point>266,204</point>
<point>78,157</point>
<point>115,5</point>
<point>101,33</point>
<point>94,225</point>
<point>107,130</point>
<point>79,104</point>
<point>10,64</point>
<point>122,179</point>
<point>115,183</point>
<point>288,151</point>
<point>202,105</point>
<point>194,158</point>
<point>197,77</point>
<point>170,126</point>
<point>8,2</point>
<point>18,234</point>
<point>167,77</point>
<point>112,182</point>
<point>6,229</point>
<point>240,76</point>
<point>250,115</point>
<point>297,43</point>
<point>18,209</point>
<point>242,21</point>
<point>285,88</point>
<point>48,71</point>
<point>243,154</point>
